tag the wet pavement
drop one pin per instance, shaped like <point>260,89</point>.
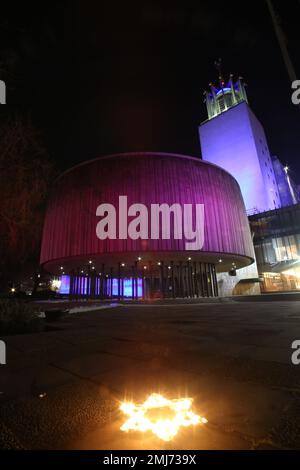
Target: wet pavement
<point>61,389</point>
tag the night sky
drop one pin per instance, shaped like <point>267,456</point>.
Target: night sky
<point>102,77</point>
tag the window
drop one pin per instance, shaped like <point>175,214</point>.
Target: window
<point>285,248</point>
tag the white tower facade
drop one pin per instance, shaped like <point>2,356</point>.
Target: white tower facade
<point>234,139</point>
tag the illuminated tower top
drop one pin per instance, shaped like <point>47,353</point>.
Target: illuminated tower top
<point>225,96</point>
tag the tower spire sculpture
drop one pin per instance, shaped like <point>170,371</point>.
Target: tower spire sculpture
<point>218,65</point>
<point>226,95</point>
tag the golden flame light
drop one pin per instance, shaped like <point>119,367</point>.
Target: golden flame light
<point>163,425</point>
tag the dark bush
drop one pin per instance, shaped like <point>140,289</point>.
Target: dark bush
<point>54,314</point>
<point>45,294</point>
<point>18,317</point>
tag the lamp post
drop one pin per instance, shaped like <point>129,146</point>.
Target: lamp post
<point>282,41</point>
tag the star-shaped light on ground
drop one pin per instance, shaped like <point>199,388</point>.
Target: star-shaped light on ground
<point>161,416</point>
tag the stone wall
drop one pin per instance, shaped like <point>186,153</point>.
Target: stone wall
<point>231,285</point>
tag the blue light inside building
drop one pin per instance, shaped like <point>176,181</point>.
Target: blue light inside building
<point>114,287</point>
<point>126,289</point>
<point>65,285</point>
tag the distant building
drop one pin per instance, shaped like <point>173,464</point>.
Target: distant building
<point>277,248</point>
<point>288,190</point>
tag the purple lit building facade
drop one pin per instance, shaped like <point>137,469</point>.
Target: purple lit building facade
<point>145,267</point>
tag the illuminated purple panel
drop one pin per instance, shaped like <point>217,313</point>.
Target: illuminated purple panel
<point>114,287</point>
<point>82,285</point>
<point>236,141</point>
<point>65,284</point>
<point>128,287</point>
<point>97,287</point>
<point>140,287</point>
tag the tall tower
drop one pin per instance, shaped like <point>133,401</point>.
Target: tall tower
<point>234,139</point>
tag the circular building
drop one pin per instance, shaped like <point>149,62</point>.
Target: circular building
<point>145,225</point>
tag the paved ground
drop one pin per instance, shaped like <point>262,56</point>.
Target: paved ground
<point>61,388</point>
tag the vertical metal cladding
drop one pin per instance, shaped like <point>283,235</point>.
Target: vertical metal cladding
<point>147,178</point>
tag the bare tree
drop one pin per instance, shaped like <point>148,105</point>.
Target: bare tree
<point>25,172</point>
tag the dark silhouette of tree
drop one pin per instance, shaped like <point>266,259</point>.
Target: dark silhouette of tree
<point>25,173</point>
